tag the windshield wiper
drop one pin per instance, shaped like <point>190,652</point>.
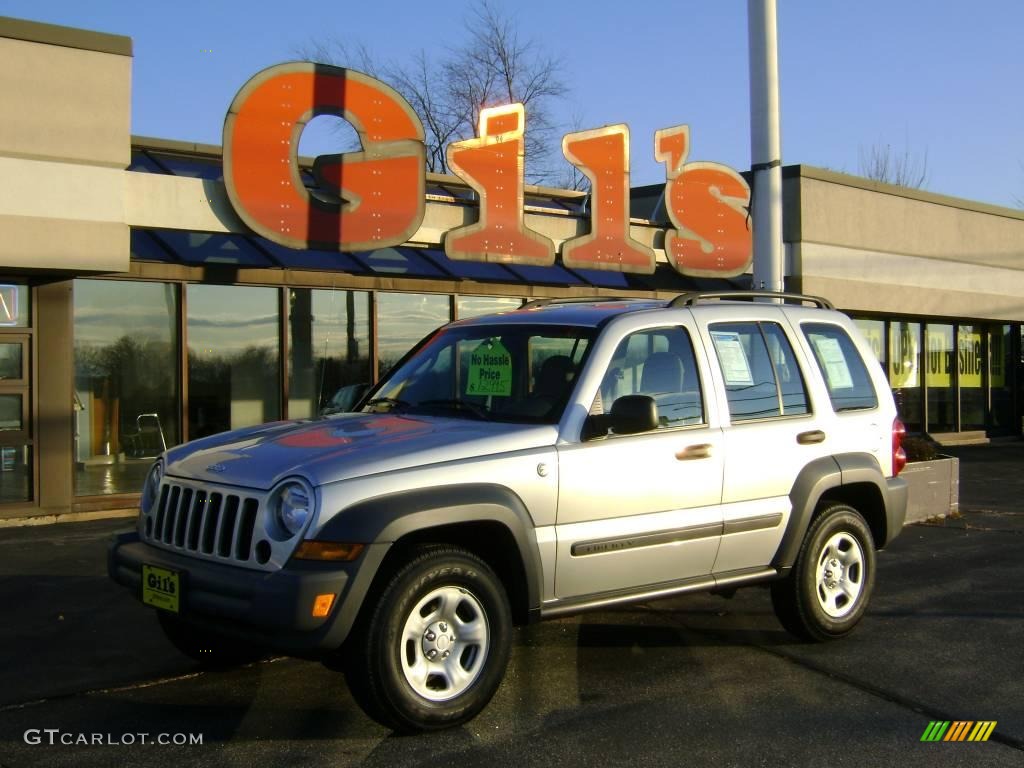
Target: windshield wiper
<point>458,405</point>
<point>393,402</point>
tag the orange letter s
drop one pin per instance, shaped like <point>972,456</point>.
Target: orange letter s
<point>707,203</point>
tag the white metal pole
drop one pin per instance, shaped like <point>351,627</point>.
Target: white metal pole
<point>765,145</point>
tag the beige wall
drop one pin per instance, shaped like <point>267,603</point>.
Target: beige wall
<point>874,247</point>
<point>64,103</point>
<point>65,97</point>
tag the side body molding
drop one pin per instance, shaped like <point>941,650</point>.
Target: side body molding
<point>383,520</point>
<point>822,475</point>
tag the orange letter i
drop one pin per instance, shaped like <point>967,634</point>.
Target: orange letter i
<point>493,165</point>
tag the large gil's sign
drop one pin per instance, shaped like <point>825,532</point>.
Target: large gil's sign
<point>381,188</point>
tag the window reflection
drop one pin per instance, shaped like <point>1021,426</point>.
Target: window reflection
<point>403,319</point>
<point>126,381</point>
<point>233,362</point>
<point>14,309</point>
<point>873,332</point>
<point>328,350</point>
<point>475,306</point>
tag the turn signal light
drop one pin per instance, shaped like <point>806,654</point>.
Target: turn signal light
<point>322,605</point>
<point>328,550</point>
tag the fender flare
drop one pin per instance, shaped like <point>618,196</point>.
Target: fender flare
<point>814,480</point>
<point>383,520</point>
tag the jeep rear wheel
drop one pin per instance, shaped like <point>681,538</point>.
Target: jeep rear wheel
<point>434,650</point>
<point>826,594</point>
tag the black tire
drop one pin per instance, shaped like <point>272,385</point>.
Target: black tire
<point>830,586</point>
<point>210,649</point>
<point>438,594</point>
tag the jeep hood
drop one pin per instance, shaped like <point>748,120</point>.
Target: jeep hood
<point>343,447</point>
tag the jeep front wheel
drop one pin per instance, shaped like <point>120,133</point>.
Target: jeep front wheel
<point>826,594</point>
<point>434,649</point>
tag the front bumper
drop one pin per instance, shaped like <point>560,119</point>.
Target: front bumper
<point>269,609</point>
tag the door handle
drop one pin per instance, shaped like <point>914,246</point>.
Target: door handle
<point>810,438</point>
<point>690,452</point>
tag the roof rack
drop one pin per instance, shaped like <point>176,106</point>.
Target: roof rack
<point>575,300</point>
<point>689,299</point>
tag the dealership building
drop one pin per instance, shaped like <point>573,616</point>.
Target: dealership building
<point>138,311</point>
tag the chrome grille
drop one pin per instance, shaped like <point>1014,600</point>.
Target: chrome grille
<point>213,523</point>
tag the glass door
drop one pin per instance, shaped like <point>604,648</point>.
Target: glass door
<point>15,419</point>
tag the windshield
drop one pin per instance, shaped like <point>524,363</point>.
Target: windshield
<point>513,373</point>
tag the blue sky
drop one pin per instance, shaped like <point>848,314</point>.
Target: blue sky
<point>936,77</point>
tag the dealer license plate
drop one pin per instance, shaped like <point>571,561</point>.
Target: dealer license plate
<point>161,588</point>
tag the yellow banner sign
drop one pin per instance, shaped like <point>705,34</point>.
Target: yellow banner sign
<point>938,357</point>
<point>971,362</point>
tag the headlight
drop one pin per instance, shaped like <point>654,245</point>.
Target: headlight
<point>152,486</point>
<point>292,503</point>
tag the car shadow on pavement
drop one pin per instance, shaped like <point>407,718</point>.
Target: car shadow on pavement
<point>275,700</point>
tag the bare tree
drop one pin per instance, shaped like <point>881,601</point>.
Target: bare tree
<point>880,163</point>
<point>571,177</point>
<point>492,65</point>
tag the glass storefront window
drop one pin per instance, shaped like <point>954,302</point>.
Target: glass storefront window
<point>126,381</point>
<point>874,332</point>
<point>328,350</point>
<point>233,357</point>
<point>940,378</point>
<point>403,319</point>
<point>971,377</point>
<point>475,306</point>
<point>1000,355</point>
<point>14,309</point>
<point>905,371</point>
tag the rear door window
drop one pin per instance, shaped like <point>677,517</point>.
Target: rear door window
<point>849,385</point>
<point>762,378</point>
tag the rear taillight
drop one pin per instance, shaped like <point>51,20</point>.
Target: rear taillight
<point>899,458</point>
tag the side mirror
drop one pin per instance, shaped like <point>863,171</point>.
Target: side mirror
<point>634,413</point>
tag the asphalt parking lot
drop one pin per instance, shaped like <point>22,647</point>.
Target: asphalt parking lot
<point>697,680</point>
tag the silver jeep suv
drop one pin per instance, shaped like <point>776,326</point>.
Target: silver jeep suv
<point>566,456</point>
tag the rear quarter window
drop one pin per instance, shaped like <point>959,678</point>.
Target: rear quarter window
<point>849,386</point>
